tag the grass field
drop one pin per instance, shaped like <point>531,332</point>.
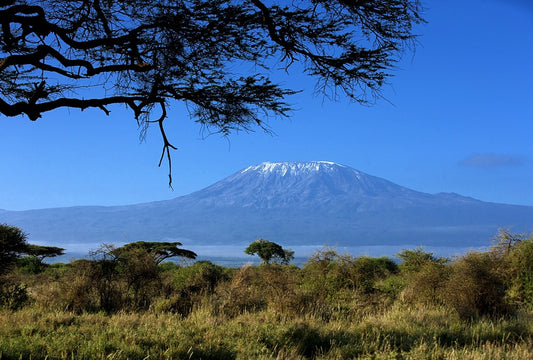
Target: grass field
<point>336,306</point>
<point>399,333</point>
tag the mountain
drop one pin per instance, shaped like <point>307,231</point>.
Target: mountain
<point>293,203</point>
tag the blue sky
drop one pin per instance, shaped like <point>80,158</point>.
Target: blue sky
<point>459,118</point>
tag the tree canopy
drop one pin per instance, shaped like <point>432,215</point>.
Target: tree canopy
<point>12,244</point>
<point>42,252</point>
<point>158,251</point>
<point>217,56</point>
<point>268,251</point>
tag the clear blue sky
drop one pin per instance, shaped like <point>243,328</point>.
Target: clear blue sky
<point>459,119</point>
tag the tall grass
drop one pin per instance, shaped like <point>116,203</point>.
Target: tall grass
<point>335,307</point>
<point>400,333</point>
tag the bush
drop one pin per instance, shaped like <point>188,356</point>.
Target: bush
<point>414,260</point>
<point>476,287</point>
<point>520,262</point>
<point>13,295</point>
<point>243,293</point>
<point>329,272</point>
<point>200,278</point>
<point>427,284</point>
<point>185,287</point>
<point>31,265</point>
<point>516,254</point>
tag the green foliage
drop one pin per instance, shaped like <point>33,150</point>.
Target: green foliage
<point>13,296</point>
<point>31,265</point>
<point>149,53</point>
<point>158,251</point>
<point>12,245</point>
<point>520,262</point>
<point>414,260</point>
<point>337,306</point>
<point>515,254</point>
<point>329,272</point>
<point>269,251</point>
<point>188,285</point>
<point>476,287</point>
<point>201,277</point>
<point>42,252</point>
<point>427,284</point>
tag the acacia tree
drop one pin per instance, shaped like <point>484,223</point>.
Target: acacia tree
<point>138,263</point>
<point>41,252</point>
<point>144,54</point>
<point>268,251</point>
<point>33,262</point>
<point>157,251</point>
<point>12,244</point>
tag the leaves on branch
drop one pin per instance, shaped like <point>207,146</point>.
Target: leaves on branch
<point>217,56</point>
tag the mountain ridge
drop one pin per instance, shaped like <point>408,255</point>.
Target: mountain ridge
<point>307,203</point>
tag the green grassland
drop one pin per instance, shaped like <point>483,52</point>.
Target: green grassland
<point>336,306</point>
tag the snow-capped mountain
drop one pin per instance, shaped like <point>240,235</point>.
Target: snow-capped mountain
<point>296,203</point>
<point>304,184</point>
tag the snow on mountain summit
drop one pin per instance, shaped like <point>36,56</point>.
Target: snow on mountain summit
<point>309,184</point>
<point>292,168</point>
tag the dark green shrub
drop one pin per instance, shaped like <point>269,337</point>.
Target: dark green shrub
<point>365,271</point>
<point>392,285</point>
<point>201,277</point>
<point>12,245</point>
<point>168,266</point>
<point>31,265</point>
<point>13,295</point>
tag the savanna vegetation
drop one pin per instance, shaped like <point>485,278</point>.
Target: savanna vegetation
<point>124,303</point>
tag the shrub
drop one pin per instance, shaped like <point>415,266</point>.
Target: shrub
<point>476,287</point>
<point>413,260</point>
<point>31,265</point>
<point>520,262</point>
<point>329,272</point>
<point>515,252</point>
<point>13,295</point>
<point>185,287</point>
<point>201,277</point>
<point>427,284</point>
<point>242,293</point>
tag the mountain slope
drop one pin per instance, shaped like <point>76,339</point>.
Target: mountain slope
<point>292,203</point>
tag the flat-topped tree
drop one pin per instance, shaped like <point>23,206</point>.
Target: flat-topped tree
<point>158,251</point>
<point>269,251</point>
<point>41,252</point>
<point>216,56</point>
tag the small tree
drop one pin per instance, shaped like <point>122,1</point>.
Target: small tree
<point>12,245</point>
<point>139,265</point>
<point>157,251</point>
<point>42,252</point>
<point>268,251</point>
<point>33,263</point>
<point>415,260</point>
